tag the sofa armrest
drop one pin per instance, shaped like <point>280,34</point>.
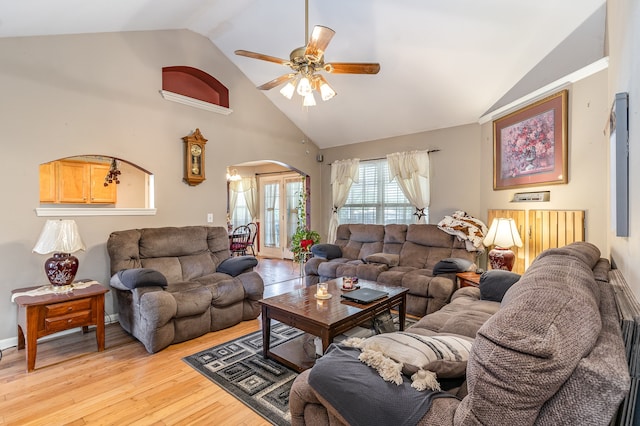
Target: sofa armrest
<point>311,266</point>
<point>234,266</point>
<point>252,284</point>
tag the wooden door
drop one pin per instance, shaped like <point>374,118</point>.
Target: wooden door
<point>519,217</point>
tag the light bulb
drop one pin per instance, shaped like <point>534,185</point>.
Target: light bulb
<point>304,87</point>
<point>326,91</point>
<point>309,100</point>
<point>287,90</point>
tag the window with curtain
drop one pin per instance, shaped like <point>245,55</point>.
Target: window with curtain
<point>241,215</point>
<point>374,199</point>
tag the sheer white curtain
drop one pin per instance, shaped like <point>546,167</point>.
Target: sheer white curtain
<point>249,188</point>
<point>343,174</point>
<point>411,171</point>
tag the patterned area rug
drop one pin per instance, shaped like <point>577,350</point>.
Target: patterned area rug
<point>239,368</point>
<point>261,384</point>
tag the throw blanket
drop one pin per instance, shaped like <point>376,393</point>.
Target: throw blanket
<point>360,395</point>
<point>466,228</point>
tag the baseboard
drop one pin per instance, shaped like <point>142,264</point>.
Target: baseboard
<point>13,341</point>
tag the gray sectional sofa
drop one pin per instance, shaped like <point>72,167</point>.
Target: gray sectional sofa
<point>174,284</point>
<point>400,255</point>
<point>550,353</point>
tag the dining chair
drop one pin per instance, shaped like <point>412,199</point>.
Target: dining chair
<point>253,227</point>
<point>239,240</point>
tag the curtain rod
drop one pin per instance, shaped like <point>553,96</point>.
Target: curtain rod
<point>384,158</point>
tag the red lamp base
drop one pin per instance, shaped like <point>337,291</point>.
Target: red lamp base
<point>501,258</point>
<point>61,269</point>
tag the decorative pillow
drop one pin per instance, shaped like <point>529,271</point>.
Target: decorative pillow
<point>128,279</point>
<point>495,283</point>
<point>388,259</point>
<point>453,264</point>
<point>326,251</point>
<point>420,357</point>
<point>236,265</point>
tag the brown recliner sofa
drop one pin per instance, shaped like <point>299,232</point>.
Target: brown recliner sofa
<point>173,284</point>
<point>551,354</point>
<point>400,255</point>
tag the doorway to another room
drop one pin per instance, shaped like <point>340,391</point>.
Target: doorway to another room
<point>277,193</point>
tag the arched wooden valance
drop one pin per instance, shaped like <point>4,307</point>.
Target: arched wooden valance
<point>194,83</point>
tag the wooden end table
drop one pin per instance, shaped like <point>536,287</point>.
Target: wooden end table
<point>468,279</point>
<point>45,314</point>
<point>323,318</point>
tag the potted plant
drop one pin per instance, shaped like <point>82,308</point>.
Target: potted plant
<point>303,238</point>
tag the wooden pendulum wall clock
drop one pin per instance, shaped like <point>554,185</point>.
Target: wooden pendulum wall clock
<point>194,158</point>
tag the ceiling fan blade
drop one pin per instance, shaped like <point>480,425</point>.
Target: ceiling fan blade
<point>352,68</point>
<point>262,57</point>
<point>276,81</point>
<point>318,42</point>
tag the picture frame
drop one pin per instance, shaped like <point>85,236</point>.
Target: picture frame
<point>530,145</point>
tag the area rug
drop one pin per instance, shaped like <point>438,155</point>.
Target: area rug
<point>261,384</point>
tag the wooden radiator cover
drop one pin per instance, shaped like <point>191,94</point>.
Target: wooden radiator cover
<point>542,229</point>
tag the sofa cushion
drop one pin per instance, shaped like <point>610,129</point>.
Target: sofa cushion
<point>495,283</point>
<point>453,264</point>
<point>326,251</point>
<point>390,260</point>
<point>342,380</point>
<point>234,266</point>
<point>128,279</point>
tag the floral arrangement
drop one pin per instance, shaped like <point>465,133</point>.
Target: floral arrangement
<point>529,146</point>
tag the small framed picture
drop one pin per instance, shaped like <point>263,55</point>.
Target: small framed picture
<point>530,145</point>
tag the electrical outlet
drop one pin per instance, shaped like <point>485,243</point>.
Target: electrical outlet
<point>209,217</point>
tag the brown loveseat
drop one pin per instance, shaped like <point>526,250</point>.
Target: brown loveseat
<point>400,255</point>
<point>552,354</point>
<point>175,284</point>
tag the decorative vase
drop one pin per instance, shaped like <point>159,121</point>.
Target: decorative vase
<point>61,269</point>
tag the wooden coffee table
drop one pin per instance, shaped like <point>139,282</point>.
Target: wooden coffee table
<point>323,318</point>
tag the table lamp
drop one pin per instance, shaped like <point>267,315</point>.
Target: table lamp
<point>503,234</point>
<point>60,237</point>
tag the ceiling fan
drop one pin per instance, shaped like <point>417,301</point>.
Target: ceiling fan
<point>306,62</point>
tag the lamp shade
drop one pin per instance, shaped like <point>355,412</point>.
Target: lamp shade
<point>503,233</point>
<point>60,236</point>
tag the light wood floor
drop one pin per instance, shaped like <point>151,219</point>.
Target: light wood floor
<point>75,385</point>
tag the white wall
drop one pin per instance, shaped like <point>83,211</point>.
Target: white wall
<point>587,188</point>
<point>454,169</point>
<point>623,24</point>
<point>99,94</point>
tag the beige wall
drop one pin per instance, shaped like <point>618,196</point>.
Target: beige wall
<point>588,150</point>
<point>623,25</point>
<point>99,94</point>
<point>454,169</point>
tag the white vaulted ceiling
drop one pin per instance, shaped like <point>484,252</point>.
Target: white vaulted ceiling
<point>443,62</point>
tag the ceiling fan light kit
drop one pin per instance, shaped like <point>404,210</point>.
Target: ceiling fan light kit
<point>306,62</point>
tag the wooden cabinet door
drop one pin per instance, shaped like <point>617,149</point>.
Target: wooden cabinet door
<point>73,182</point>
<point>100,193</point>
<point>48,184</point>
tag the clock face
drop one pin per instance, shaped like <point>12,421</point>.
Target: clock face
<point>196,150</point>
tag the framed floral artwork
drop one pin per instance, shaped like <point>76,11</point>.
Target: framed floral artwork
<point>530,145</point>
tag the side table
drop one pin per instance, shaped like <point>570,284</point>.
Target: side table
<point>468,279</point>
<point>44,314</point>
